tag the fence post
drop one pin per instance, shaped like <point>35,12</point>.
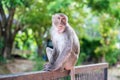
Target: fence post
<point>105,73</point>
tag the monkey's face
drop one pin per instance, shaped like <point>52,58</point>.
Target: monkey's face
<point>59,21</point>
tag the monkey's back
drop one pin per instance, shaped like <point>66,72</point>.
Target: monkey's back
<point>71,59</point>
<point>76,44</point>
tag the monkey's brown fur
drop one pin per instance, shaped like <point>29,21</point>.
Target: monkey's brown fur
<point>65,45</point>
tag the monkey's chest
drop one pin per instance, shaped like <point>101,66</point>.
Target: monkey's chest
<point>59,41</point>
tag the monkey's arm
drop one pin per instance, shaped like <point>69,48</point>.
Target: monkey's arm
<point>52,59</point>
<point>49,52</point>
<point>63,55</point>
<point>54,56</point>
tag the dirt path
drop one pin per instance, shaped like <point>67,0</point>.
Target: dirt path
<point>114,73</point>
<point>17,66</point>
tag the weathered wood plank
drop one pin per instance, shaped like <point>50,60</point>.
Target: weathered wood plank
<point>42,75</point>
<point>39,75</point>
<point>88,68</point>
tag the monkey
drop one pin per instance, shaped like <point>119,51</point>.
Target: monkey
<point>66,47</point>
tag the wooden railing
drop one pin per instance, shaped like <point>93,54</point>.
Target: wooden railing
<point>85,72</point>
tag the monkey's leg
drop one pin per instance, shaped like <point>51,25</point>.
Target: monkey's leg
<point>72,73</point>
<point>49,52</point>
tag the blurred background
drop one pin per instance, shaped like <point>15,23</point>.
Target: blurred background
<point>24,32</point>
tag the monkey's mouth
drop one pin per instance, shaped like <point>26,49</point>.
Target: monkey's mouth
<point>60,27</point>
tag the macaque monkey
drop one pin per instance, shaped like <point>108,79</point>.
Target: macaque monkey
<point>66,47</point>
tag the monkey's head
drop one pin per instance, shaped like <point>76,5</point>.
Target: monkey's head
<point>59,21</point>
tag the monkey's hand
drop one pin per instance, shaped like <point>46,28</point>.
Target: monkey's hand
<point>48,67</point>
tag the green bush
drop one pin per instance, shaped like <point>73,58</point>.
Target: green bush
<point>2,59</point>
<point>81,59</point>
<point>87,47</point>
<point>39,63</point>
<point>113,57</point>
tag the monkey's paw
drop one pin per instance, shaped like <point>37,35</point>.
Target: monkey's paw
<point>48,67</point>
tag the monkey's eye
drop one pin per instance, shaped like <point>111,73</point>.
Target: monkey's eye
<point>63,18</point>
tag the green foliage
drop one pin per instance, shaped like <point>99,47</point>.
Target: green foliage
<point>58,6</point>
<point>99,5</point>
<point>113,56</point>
<point>15,3</point>
<point>96,23</point>
<point>2,59</point>
<point>39,63</point>
<point>97,32</point>
<point>82,58</point>
<point>25,41</point>
<point>89,50</point>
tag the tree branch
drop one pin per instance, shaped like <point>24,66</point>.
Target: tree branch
<point>10,16</point>
<point>0,23</point>
<point>10,21</point>
<point>0,29</point>
<point>3,17</point>
<point>18,28</point>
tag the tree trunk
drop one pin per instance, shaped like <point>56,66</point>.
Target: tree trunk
<point>6,33</point>
<point>103,58</point>
<point>39,45</point>
<point>39,50</point>
<point>7,50</point>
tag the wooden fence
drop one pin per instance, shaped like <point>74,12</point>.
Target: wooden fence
<point>84,72</point>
